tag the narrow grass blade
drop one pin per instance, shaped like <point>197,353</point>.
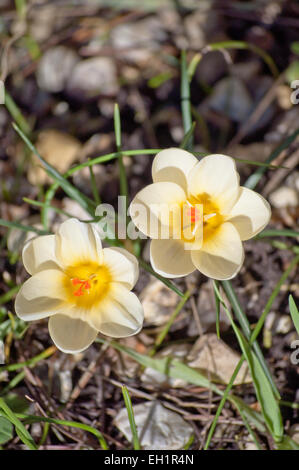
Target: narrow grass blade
<point>253,179</point>
<point>185,98</point>
<point>263,388</point>
<point>165,281</point>
<point>167,327</point>
<point>277,233</point>
<point>16,114</point>
<point>218,46</point>
<point>30,362</point>
<point>188,137</point>
<point>242,319</point>
<point>193,66</point>
<point>25,228</point>
<point>73,424</point>
<point>19,426</point>
<point>254,335</point>
<point>73,192</point>
<point>294,312</point>
<point>128,403</point>
<point>6,430</point>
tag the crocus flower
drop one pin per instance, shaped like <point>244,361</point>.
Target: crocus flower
<point>83,288</point>
<point>229,214</point>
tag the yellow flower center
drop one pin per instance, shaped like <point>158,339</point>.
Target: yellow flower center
<point>87,284</point>
<point>210,217</point>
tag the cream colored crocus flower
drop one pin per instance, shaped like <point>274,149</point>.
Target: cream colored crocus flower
<point>230,214</point>
<point>83,288</point>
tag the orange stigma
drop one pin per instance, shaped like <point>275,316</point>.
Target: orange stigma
<point>194,217</point>
<point>84,285</point>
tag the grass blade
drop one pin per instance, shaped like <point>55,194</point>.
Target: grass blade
<point>185,98</point>
<point>128,403</point>
<point>20,428</point>
<point>242,319</point>
<point>73,424</point>
<point>73,192</point>
<point>253,179</point>
<point>294,312</point>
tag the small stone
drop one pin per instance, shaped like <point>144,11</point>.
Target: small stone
<point>294,432</point>
<point>284,197</point>
<point>153,377</point>
<point>137,41</point>
<point>93,77</point>
<point>57,148</point>
<point>214,358</point>
<point>231,97</point>
<point>55,67</point>
<point>158,303</point>
<point>284,325</point>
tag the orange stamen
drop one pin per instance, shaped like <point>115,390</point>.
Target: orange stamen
<point>194,217</point>
<point>84,285</point>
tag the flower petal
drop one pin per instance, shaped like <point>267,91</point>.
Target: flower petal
<point>78,242</point>
<point>216,176</point>
<point>120,315</point>
<point>169,258</point>
<point>122,265</point>
<point>71,335</point>
<point>173,165</point>
<point>250,214</point>
<point>39,254</point>
<point>221,257</point>
<point>150,209</point>
<point>41,295</point>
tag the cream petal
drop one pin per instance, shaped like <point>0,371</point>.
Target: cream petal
<point>216,176</point>
<point>222,256</point>
<point>71,335</point>
<point>77,242</point>
<point>173,165</point>
<point>39,254</point>
<point>122,265</point>
<point>118,316</point>
<point>169,258</point>
<point>250,214</point>
<point>150,209</point>
<point>41,295</point>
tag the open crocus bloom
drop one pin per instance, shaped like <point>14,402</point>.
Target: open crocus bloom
<point>229,214</point>
<point>83,288</point>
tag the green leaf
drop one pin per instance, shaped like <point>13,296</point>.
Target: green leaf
<point>16,403</point>
<point>294,312</point>
<point>19,426</point>
<point>159,79</point>
<point>6,430</point>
